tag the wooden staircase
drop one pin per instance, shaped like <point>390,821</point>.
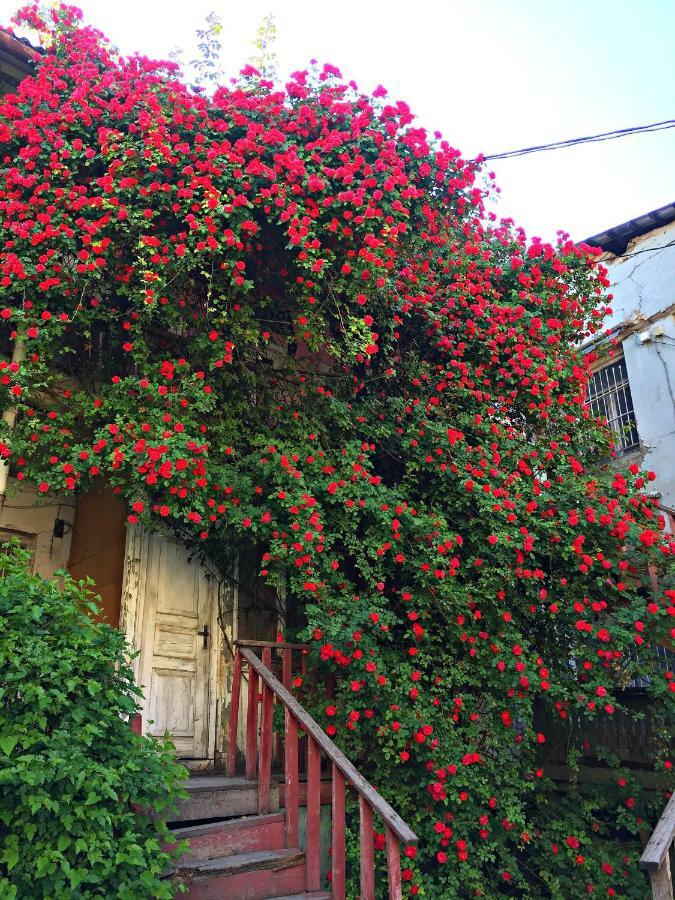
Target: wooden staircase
<point>234,852</point>
<point>241,845</point>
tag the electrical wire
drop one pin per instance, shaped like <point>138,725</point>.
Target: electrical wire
<point>622,256</point>
<point>588,139</point>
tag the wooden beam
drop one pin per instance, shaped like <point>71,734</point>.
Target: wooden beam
<point>656,851</point>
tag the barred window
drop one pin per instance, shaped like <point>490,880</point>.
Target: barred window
<point>609,397</point>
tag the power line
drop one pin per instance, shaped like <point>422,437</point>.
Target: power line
<point>588,139</point>
<point>645,250</point>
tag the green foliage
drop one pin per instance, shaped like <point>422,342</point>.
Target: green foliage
<point>75,781</point>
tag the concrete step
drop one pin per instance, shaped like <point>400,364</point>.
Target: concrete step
<point>215,796</point>
<point>256,875</point>
<point>232,836</point>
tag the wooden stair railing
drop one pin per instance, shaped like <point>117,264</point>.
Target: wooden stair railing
<point>258,761</point>
<point>656,856</point>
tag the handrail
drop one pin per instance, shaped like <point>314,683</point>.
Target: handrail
<point>258,758</point>
<point>351,773</point>
<point>656,856</point>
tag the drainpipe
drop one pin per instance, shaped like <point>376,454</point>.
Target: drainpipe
<point>9,417</point>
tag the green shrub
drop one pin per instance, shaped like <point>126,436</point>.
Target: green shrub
<point>73,775</point>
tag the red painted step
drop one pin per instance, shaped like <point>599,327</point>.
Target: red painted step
<point>309,895</point>
<point>220,839</point>
<point>258,875</point>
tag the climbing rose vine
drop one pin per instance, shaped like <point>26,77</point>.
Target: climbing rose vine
<point>282,320</point>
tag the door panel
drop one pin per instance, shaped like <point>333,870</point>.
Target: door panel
<point>176,669</point>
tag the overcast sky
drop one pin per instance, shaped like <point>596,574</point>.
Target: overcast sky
<point>492,75</point>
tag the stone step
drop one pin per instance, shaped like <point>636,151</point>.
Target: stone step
<point>220,797</point>
<point>220,839</point>
<point>257,875</point>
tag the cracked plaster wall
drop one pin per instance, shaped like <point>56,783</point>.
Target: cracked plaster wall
<point>643,286</point>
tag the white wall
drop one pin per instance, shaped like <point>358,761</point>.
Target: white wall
<point>643,283</point>
<point>643,286</point>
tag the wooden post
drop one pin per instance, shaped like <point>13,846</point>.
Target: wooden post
<point>234,715</point>
<point>337,883</point>
<point>265,763</point>
<point>313,851</point>
<point>394,865</point>
<point>291,777</point>
<point>302,753</point>
<point>252,724</point>
<point>656,855</point>
<point>367,851</point>
<point>286,667</point>
<point>662,882</point>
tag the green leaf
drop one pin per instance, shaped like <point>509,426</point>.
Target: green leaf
<point>8,743</point>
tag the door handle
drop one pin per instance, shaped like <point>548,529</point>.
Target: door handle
<point>205,634</point>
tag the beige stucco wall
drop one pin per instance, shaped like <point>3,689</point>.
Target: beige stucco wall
<point>32,516</point>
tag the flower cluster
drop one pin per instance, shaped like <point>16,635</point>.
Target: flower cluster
<point>282,319</point>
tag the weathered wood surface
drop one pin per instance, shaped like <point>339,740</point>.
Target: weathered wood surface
<point>394,866</point>
<point>325,793</point>
<point>357,781</point>
<point>255,859</point>
<point>250,876</point>
<point>291,799</point>
<point>632,738</point>
<point>279,645</point>
<point>211,797</point>
<point>234,716</point>
<point>662,837</point>
<point>234,836</point>
<point>662,881</point>
<point>651,781</point>
<point>367,850</point>
<point>338,865</point>
<point>252,724</point>
<point>313,817</point>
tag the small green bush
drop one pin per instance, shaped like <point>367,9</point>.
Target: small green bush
<point>74,778</point>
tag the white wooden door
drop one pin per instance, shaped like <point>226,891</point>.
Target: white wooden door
<point>175,606</point>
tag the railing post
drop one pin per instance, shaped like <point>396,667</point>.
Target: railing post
<point>266,719</point>
<point>337,882</point>
<point>291,778</point>
<point>286,667</point>
<point>252,724</point>
<point>234,714</point>
<point>367,851</point>
<point>656,855</point>
<point>662,881</point>
<point>302,752</point>
<point>313,851</point>
<point>394,865</point>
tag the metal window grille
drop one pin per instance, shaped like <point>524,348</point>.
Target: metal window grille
<point>609,397</point>
<point>665,662</point>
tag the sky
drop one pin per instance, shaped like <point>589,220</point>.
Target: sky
<point>491,75</point>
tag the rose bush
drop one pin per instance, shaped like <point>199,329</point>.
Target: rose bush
<point>281,318</point>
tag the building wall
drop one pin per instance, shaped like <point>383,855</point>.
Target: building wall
<point>643,284</point>
<point>643,289</point>
<point>32,517</point>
